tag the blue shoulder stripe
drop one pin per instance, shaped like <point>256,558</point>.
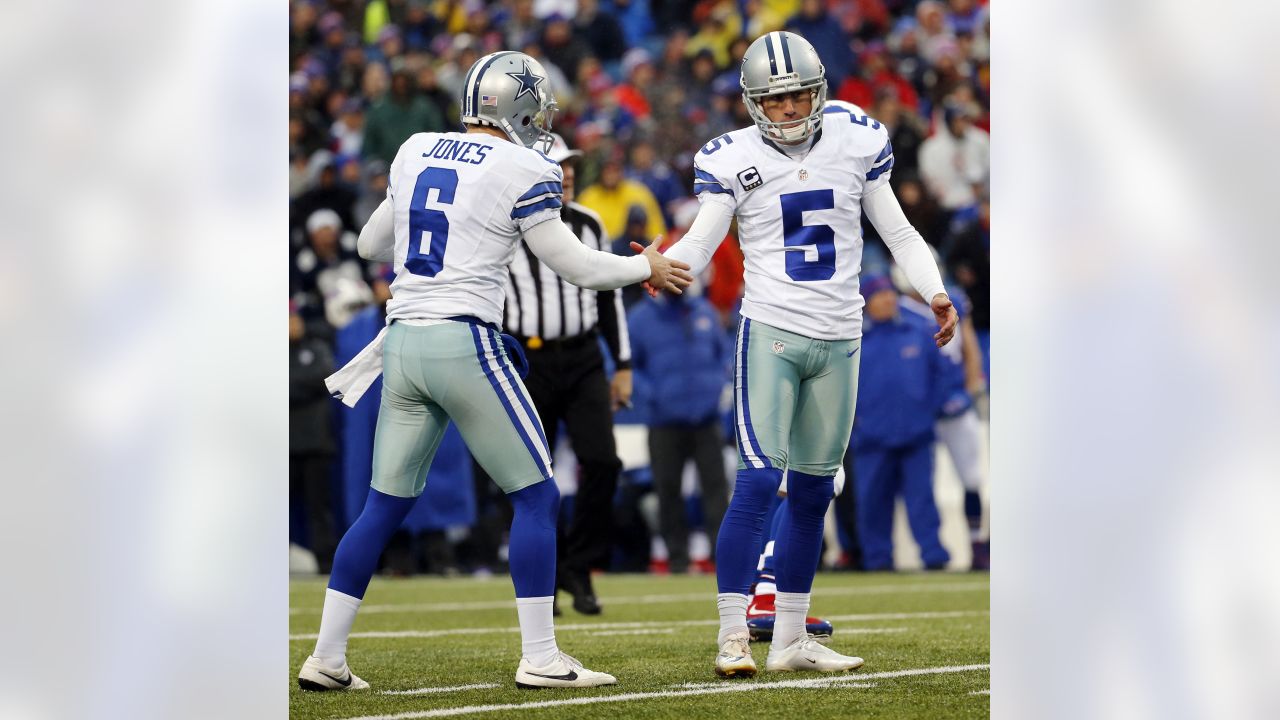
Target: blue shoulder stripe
<point>700,174</point>
<point>886,152</point>
<point>542,188</point>
<point>711,187</point>
<point>877,172</point>
<point>551,203</point>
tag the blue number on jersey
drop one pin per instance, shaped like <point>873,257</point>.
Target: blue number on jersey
<point>423,219</point>
<point>714,145</point>
<point>796,234</point>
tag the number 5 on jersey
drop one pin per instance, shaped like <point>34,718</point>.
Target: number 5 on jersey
<point>795,234</point>
<point>425,221</point>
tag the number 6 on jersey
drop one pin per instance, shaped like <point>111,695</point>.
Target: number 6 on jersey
<point>424,221</point>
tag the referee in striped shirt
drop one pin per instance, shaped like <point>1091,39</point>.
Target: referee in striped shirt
<point>559,325</point>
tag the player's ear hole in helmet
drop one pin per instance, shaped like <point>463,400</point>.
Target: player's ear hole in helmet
<point>781,63</point>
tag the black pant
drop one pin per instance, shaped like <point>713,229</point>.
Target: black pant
<point>567,383</point>
<point>670,446</point>
<point>309,476</point>
<point>847,512</point>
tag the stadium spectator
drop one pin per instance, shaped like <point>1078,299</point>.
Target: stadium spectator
<point>325,192</point>
<point>614,196</point>
<point>681,357</point>
<point>816,25</point>
<point>311,443</point>
<point>636,230</point>
<point>955,162</point>
<point>901,376</point>
<point>634,17</point>
<point>428,86</point>
<point>600,31</point>
<point>331,274</point>
<point>721,25</point>
<point>561,46</point>
<point>522,26</point>
<point>399,114</point>
<point>637,69</point>
<point>874,76</point>
<point>348,129</point>
<point>373,189</point>
<point>906,131</point>
<point>656,175</point>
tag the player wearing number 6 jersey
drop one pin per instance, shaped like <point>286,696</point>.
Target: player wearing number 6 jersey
<point>457,206</point>
<point>797,183</point>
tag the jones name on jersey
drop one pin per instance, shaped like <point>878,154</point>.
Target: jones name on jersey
<point>799,219</point>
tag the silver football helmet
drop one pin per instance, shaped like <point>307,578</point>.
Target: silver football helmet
<point>510,91</point>
<point>783,62</point>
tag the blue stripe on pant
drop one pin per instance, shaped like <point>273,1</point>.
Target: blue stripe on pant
<point>748,447</point>
<point>482,354</point>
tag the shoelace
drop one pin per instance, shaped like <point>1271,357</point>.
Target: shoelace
<point>571,661</point>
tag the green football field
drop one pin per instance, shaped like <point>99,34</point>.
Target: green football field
<point>449,647</point>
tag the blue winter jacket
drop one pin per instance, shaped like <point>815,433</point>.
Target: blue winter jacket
<point>901,380</point>
<point>680,357</point>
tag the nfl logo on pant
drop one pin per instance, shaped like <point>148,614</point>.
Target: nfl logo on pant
<point>778,347</point>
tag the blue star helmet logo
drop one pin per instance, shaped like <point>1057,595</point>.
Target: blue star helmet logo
<point>528,81</point>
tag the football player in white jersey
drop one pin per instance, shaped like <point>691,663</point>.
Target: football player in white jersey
<point>797,182</point>
<point>457,206</point>
<point>760,608</point>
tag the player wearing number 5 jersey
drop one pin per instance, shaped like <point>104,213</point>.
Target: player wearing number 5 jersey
<point>797,182</point>
<point>457,206</point>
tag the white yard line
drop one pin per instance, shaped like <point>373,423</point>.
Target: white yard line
<point>648,625</point>
<point>431,690</point>
<point>652,599</point>
<point>981,692</point>
<point>847,681</point>
<point>653,631</point>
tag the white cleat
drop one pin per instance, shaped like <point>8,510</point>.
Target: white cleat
<point>314,675</point>
<point>806,653</point>
<point>734,659</point>
<point>565,671</point>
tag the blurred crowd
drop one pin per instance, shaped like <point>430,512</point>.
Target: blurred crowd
<point>641,85</point>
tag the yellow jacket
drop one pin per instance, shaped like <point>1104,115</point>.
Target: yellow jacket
<point>612,206</point>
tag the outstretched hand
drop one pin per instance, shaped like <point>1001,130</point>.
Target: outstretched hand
<point>945,313</point>
<point>666,274</point>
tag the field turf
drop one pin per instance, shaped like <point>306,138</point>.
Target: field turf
<point>924,637</point>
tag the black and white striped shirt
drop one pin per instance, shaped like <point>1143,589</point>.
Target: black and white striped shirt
<point>542,305</point>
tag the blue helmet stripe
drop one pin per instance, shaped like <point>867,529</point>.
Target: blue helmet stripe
<point>475,87</point>
<point>786,53</point>
<point>773,61</point>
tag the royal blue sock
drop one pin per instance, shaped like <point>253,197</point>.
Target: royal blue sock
<point>742,530</point>
<point>356,558</point>
<point>798,548</point>
<point>766,574</point>
<point>532,547</point>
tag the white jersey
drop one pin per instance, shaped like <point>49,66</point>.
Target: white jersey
<point>799,219</point>
<point>460,202</point>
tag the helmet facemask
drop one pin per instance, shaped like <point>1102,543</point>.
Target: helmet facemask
<point>808,125</point>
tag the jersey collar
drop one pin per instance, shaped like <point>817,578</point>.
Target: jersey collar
<point>767,141</point>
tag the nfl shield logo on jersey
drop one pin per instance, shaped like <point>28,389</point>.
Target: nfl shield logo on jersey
<point>778,347</point>
<point>804,175</point>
